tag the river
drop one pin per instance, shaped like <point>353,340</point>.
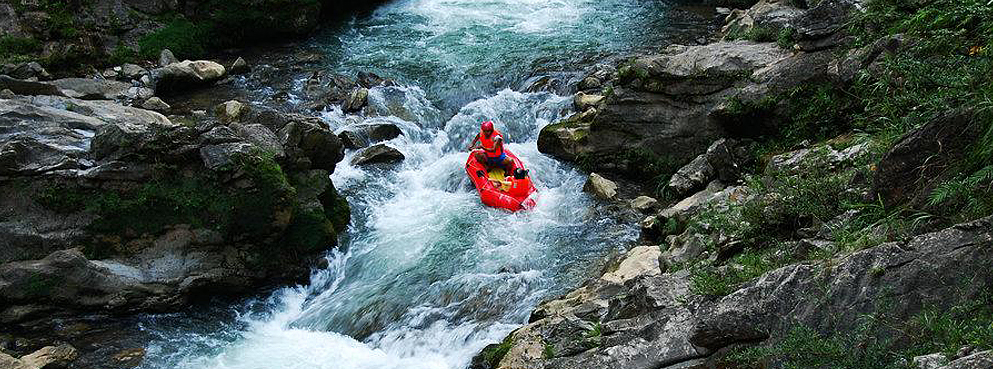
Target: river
<point>425,275</point>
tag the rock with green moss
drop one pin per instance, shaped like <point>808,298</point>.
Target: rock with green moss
<point>660,105</point>
<point>158,213</point>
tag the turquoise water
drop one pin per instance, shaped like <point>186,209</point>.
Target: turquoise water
<point>461,50</point>
<point>426,276</point>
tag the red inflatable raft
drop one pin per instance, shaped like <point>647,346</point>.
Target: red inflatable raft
<point>489,193</point>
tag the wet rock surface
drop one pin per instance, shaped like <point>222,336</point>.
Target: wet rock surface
<point>378,154</point>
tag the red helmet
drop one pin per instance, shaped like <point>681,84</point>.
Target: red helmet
<point>487,126</point>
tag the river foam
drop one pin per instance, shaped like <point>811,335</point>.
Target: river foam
<point>425,275</point>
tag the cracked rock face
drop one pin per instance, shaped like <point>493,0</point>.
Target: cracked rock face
<point>82,228</point>
<point>649,319</point>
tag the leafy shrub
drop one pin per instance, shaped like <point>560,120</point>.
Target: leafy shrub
<point>12,47</point>
<point>182,37</point>
<point>711,281</point>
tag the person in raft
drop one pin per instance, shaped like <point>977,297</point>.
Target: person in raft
<point>519,183</point>
<point>491,141</point>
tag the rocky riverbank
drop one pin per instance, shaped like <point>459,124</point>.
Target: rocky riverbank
<point>799,220</point>
<point>116,202</point>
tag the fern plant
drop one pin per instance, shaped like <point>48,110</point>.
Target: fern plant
<point>972,194</point>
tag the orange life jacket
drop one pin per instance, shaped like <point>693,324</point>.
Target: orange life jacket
<point>490,143</point>
<point>519,187</point>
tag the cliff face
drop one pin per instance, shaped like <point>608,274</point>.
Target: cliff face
<point>825,199</point>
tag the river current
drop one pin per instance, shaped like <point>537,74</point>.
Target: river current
<point>425,276</point>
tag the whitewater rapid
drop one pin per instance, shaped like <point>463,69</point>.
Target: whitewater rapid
<point>425,276</point>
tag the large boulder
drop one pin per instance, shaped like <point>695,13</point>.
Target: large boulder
<point>724,161</point>
<point>922,271</point>
<point>230,111</point>
<point>310,140</point>
<point>186,75</point>
<point>916,164</point>
<point>69,126</point>
<point>823,157</point>
<point>377,154</point>
<point>161,213</point>
<point>764,16</point>
<point>660,109</point>
<point>166,57</point>
<point>823,25</point>
<point>356,100</point>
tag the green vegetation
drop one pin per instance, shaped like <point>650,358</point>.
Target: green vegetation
<point>202,202</point>
<point>548,352</point>
<point>944,60</point>
<point>784,37</point>
<point>757,34</point>
<point>121,55</point>
<point>61,19</point>
<point>805,348</point>
<point>230,23</point>
<point>182,37</point>
<point>594,336</point>
<point>930,331</point>
<point>492,354</point>
<point>17,49</point>
<point>947,63</point>
<point>711,281</point>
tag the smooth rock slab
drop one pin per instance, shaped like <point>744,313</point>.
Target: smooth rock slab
<point>186,75</point>
<point>93,89</point>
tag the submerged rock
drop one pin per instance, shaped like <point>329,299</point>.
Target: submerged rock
<point>240,66</point>
<point>356,100</point>
<point>363,135</point>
